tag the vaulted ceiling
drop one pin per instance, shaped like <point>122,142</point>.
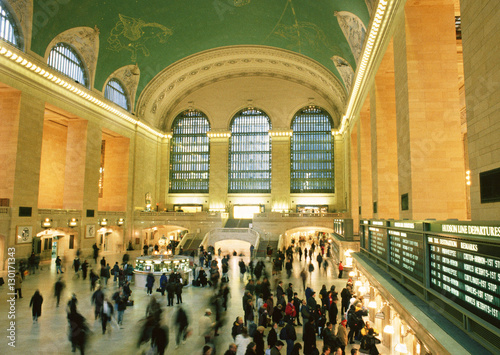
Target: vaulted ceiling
<point>155,34</point>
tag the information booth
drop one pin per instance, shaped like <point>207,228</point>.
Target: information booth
<point>159,264</point>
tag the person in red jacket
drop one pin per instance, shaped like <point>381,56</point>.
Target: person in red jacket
<point>341,269</point>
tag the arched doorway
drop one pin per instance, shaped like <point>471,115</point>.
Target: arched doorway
<point>164,237</point>
<point>53,242</point>
<point>229,246</point>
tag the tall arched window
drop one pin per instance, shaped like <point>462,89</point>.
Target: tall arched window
<point>116,92</point>
<point>250,152</point>
<point>8,29</point>
<point>312,161</point>
<point>189,153</point>
<point>66,60</point>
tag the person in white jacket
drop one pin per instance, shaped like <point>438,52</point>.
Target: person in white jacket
<point>206,325</point>
<point>242,340</point>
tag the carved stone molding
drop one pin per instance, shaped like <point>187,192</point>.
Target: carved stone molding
<point>129,76</point>
<point>23,11</point>
<point>370,4</point>
<point>178,80</point>
<point>345,71</point>
<point>86,42</point>
<point>354,31</point>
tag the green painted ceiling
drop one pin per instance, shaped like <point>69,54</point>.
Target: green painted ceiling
<point>157,33</point>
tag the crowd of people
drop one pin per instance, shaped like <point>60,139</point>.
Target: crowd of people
<point>277,316</point>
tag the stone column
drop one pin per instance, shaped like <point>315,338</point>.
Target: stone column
<point>430,150</point>
<point>341,182</point>
<point>91,181</point>
<point>384,146</point>
<point>164,172</point>
<point>74,176</point>
<point>354,175</point>
<point>28,154</point>
<point>365,161</point>
<point>116,153</point>
<point>280,178</point>
<point>480,28</point>
<point>219,155</point>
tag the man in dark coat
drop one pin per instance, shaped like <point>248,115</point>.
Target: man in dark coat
<point>178,291</point>
<point>159,338</point>
<point>328,336</point>
<point>58,287</point>
<point>85,266</point>
<point>150,281</point>
<point>296,303</point>
<point>170,293</point>
<point>36,305</point>
<point>272,337</point>
<point>291,336</point>
<point>98,300</point>
<point>333,311</point>
<point>309,337</point>
<point>258,338</point>
<point>182,323</point>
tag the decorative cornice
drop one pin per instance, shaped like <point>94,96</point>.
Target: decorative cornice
<point>277,133</point>
<point>219,134</point>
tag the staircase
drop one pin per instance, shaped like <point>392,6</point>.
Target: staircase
<point>238,223</point>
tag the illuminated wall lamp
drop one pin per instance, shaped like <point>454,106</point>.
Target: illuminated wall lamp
<point>401,348</point>
<point>358,283</point>
<point>47,223</point>
<point>120,221</point>
<point>73,222</point>
<point>103,222</point>
<point>380,315</point>
<point>352,273</point>
<point>372,304</point>
<point>389,329</point>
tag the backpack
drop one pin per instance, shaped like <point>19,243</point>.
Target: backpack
<point>283,334</point>
<point>252,328</point>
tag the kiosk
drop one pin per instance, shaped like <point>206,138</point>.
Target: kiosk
<point>162,263</point>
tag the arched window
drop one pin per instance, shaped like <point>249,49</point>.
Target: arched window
<point>189,153</point>
<point>250,152</point>
<point>8,29</point>
<point>114,91</point>
<point>66,60</point>
<point>312,161</point>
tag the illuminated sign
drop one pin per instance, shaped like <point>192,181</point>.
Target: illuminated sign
<point>486,231</point>
<point>467,272</point>
<point>406,252</point>
<point>404,225</point>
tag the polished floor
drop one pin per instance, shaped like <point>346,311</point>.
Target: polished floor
<point>50,334</point>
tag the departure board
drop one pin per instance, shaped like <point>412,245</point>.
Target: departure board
<point>468,273</point>
<point>377,239</point>
<point>406,252</point>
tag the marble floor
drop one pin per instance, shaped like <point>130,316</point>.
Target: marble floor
<point>49,335</point>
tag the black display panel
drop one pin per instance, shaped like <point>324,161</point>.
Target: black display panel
<point>377,241</point>
<point>468,273</point>
<point>406,252</point>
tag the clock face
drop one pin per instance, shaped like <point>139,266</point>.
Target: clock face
<point>25,235</point>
